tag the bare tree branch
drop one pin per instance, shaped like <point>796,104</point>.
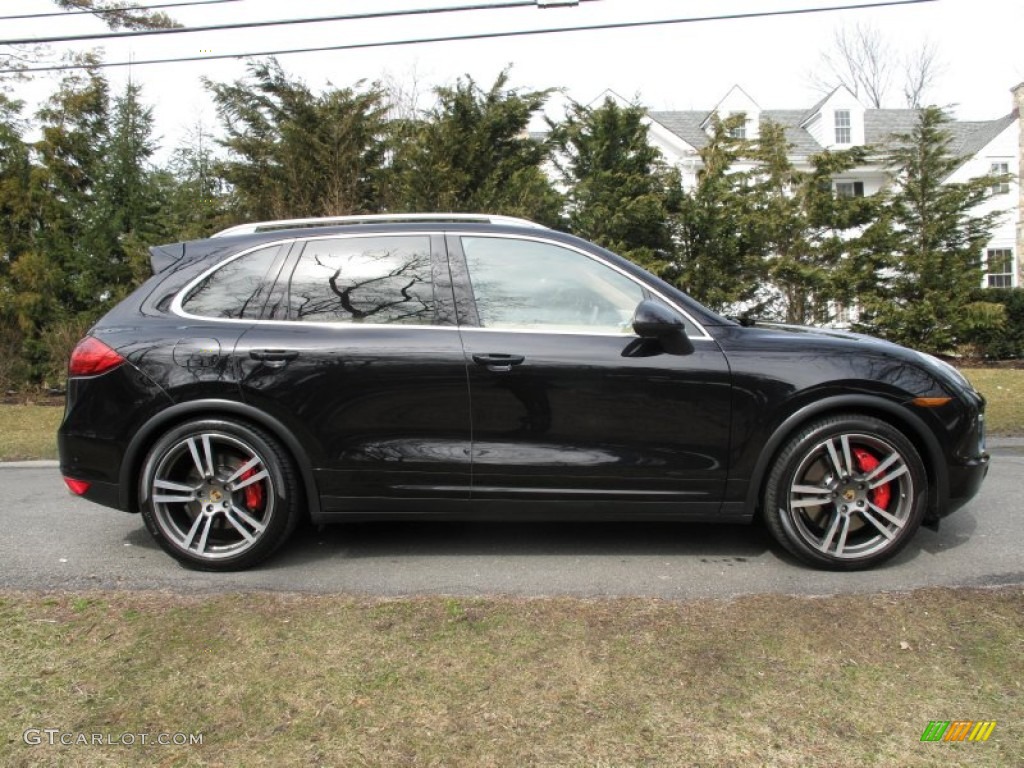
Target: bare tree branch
<point>922,69</point>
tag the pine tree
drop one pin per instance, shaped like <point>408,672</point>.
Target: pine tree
<point>293,153</point>
<point>619,193</point>
<point>472,153</point>
<point>922,294</point>
<point>717,262</point>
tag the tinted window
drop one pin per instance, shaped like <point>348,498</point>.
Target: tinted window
<point>364,280</point>
<point>236,290</point>
<point>530,285</point>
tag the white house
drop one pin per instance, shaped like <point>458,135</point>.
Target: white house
<point>840,121</point>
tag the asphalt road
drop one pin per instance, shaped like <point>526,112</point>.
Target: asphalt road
<point>52,541</point>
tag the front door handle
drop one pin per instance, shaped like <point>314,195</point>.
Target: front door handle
<point>273,358</point>
<point>498,362</point>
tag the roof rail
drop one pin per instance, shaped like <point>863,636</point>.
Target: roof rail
<point>263,226</point>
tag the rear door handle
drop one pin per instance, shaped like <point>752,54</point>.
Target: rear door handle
<point>498,362</point>
<point>273,358</point>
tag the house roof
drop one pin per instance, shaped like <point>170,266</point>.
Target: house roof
<point>969,137</point>
<point>687,126</point>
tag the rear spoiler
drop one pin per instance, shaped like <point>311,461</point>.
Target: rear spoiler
<point>163,257</point>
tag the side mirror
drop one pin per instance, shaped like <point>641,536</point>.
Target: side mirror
<point>656,321</point>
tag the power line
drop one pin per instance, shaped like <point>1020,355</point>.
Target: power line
<point>270,23</point>
<point>114,10</point>
<point>477,36</point>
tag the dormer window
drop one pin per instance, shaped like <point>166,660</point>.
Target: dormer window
<point>739,131</point>
<point>843,127</point>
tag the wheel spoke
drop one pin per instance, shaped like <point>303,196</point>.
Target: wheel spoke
<point>841,544</point>
<point>249,480</point>
<point>208,453</point>
<point>192,531</point>
<point>875,522</point>
<point>842,470</point>
<point>827,541</point>
<point>900,470</point>
<point>238,526</point>
<point>243,469</point>
<point>251,521</point>
<point>845,440</point>
<point>162,498</point>
<point>194,450</point>
<point>885,515</point>
<point>819,501</point>
<point>891,459</point>
<point>811,489</point>
<point>168,485</point>
<point>186,493</point>
<point>201,547</point>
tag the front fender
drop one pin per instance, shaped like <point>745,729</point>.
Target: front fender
<point>916,430</point>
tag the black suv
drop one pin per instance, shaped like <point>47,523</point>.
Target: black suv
<point>476,366</point>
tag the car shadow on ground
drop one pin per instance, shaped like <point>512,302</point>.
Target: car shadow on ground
<point>726,544</point>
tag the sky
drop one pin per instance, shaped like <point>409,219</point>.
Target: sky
<point>677,66</point>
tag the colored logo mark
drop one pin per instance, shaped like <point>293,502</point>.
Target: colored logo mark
<point>958,730</point>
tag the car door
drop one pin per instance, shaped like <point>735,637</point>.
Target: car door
<point>359,354</point>
<point>567,402</point>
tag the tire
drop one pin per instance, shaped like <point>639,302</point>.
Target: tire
<point>824,501</point>
<point>219,495</point>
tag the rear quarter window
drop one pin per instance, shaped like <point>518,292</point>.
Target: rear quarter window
<point>237,289</point>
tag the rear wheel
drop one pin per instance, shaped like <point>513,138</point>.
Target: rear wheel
<point>219,495</point>
<point>846,493</point>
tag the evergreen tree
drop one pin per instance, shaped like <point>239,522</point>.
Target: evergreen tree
<point>293,153</point>
<point>16,225</point>
<point>923,290</point>
<point>472,153</point>
<point>128,202</point>
<point>717,261</point>
<point>619,192</point>
<point>196,200</point>
<point>804,230</point>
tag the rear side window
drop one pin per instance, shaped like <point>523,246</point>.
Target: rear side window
<point>379,280</point>
<point>237,290</point>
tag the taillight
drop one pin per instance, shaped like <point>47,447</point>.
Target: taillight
<point>77,487</point>
<point>92,357</point>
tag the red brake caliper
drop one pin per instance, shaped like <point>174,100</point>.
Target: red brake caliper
<point>866,462</point>
<point>254,492</point>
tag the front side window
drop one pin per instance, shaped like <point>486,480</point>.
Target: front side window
<point>843,133</point>
<point>236,290</point>
<point>374,280</point>
<point>999,268</point>
<point>529,285</point>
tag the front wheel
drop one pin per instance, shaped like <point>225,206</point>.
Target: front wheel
<point>846,493</point>
<point>218,495</point>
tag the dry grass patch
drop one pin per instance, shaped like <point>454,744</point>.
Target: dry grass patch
<point>1003,388</point>
<point>322,680</point>
<point>29,431</point>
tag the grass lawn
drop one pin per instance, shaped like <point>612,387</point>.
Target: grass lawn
<point>1004,391</point>
<point>279,680</point>
<point>28,431</point>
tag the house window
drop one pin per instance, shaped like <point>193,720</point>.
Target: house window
<point>849,189</point>
<point>843,131</point>
<point>999,268</point>
<point>739,131</point>
<point>998,169</point>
